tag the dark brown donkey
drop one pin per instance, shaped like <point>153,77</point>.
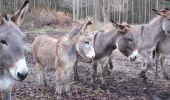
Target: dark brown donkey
<point>12,60</point>
<point>147,36</point>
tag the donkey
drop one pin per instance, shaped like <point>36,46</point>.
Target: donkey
<point>12,60</point>
<point>104,43</point>
<point>147,36</point>
<point>126,46</point>
<point>61,53</point>
<point>161,53</point>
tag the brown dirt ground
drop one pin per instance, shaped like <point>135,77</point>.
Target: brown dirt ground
<point>123,82</point>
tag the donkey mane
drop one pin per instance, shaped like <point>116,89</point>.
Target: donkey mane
<point>154,20</point>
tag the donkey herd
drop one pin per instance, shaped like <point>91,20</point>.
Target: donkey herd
<point>65,51</point>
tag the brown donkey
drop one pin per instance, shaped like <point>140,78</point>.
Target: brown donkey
<point>12,60</point>
<point>61,53</point>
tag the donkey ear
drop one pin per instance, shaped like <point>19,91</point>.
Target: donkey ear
<point>114,23</point>
<point>20,14</point>
<point>117,25</point>
<point>84,27</point>
<point>1,20</point>
<point>123,28</point>
<point>161,12</point>
<point>156,11</point>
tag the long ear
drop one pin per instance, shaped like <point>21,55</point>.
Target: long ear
<point>117,25</point>
<point>3,19</point>
<point>20,14</point>
<point>114,23</point>
<point>84,27</point>
<point>161,12</point>
<point>156,11</point>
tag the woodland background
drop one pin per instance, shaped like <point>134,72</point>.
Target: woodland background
<point>131,11</point>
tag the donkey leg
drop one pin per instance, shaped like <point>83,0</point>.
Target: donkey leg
<point>58,91</point>
<point>109,66</point>
<point>44,77</point>
<point>104,63</point>
<point>149,63</point>
<point>162,59</point>
<point>104,73</point>
<point>93,73</point>
<point>156,70</point>
<point>157,55</point>
<point>68,82</point>
<point>110,63</point>
<point>143,73</point>
<point>76,77</point>
<point>6,94</point>
<point>41,74</point>
<point>59,84</point>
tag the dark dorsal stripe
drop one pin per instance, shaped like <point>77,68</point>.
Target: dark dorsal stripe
<point>142,29</point>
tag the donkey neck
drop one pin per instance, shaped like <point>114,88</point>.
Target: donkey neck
<point>5,80</point>
<point>150,34</point>
<point>104,42</point>
<point>155,25</point>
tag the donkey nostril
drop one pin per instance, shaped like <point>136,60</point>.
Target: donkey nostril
<point>22,76</point>
<point>132,58</point>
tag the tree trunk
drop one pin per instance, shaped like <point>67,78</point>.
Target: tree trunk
<point>78,9</point>
<point>74,9</point>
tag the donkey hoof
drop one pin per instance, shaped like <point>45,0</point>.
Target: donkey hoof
<point>76,79</point>
<point>109,72</point>
<point>143,76</point>
<point>59,97</point>
<point>69,93</point>
<point>166,77</point>
<point>104,86</point>
<point>151,64</point>
<point>94,86</point>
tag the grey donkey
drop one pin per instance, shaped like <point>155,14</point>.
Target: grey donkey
<point>146,37</point>
<point>12,60</point>
<point>104,42</point>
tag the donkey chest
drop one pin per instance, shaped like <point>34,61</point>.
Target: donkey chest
<point>5,81</point>
<point>66,53</point>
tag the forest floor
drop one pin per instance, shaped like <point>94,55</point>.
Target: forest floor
<point>123,82</point>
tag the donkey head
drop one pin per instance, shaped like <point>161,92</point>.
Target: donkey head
<point>85,49</point>
<point>12,60</point>
<point>165,13</point>
<point>84,44</point>
<point>125,43</point>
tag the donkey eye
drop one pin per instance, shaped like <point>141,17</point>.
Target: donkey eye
<point>129,40</point>
<point>87,42</point>
<point>3,42</point>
